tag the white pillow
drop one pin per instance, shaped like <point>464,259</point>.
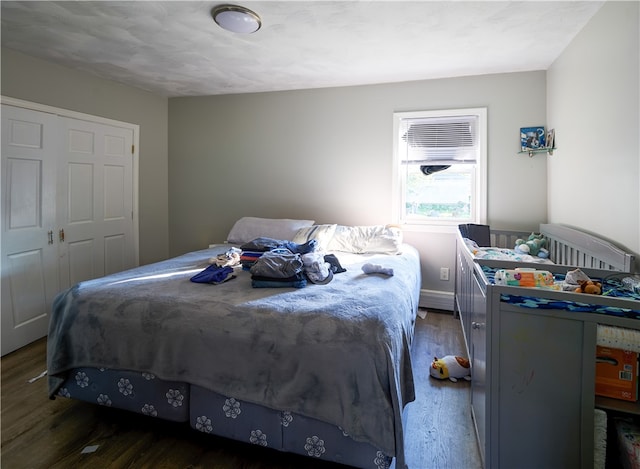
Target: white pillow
<point>321,233</point>
<point>383,239</point>
<point>249,228</point>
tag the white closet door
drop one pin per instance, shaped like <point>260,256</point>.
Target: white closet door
<point>67,212</point>
<point>29,249</point>
<point>95,201</point>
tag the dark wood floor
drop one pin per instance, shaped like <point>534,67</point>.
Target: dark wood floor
<point>42,433</point>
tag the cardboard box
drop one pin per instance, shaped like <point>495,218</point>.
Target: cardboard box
<point>617,373</point>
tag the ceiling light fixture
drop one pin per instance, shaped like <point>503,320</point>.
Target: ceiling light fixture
<point>236,19</point>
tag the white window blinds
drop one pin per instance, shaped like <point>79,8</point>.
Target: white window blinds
<point>439,140</point>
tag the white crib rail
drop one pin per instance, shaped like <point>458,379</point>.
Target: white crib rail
<point>568,246</point>
<point>506,238</point>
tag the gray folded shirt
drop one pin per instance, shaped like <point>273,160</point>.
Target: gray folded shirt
<point>277,264</point>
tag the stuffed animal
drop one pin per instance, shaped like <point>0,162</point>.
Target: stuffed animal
<point>450,367</point>
<point>589,286</point>
<point>534,245</point>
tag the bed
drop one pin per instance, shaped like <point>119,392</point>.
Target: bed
<point>323,371</point>
<point>533,350</point>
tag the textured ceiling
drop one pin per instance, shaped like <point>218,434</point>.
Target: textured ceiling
<point>175,48</point>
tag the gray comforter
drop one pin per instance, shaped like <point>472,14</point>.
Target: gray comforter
<point>339,352</point>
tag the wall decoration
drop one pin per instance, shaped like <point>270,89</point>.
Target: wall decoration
<point>551,138</point>
<point>532,138</point>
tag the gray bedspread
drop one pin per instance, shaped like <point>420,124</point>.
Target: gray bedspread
<point>339,352</point>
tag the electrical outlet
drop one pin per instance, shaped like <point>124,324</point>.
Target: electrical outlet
<point>444,273</point>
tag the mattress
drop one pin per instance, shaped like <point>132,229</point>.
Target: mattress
<point>502,254</point>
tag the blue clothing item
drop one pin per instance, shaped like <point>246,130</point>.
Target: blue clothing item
<point>305,248</point>
<point>293,278</point>
<point>269,244</point>
<point>277,284</point>
<point>295,281</point>
<point>213,274</point>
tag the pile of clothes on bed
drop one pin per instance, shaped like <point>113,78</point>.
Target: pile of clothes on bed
<point>274,263</point>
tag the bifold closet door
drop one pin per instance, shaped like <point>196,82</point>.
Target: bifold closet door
<point>95,201</point>
<point>30,143</point>
<point>67,212</point>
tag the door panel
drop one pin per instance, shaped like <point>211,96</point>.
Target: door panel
<point>118,200</point>
<point>114,249</point>
<point>81,260</point>
<point>81,193</point>
<point>29,256</point>
<point>24,183</point>
<point>114,189</point>
<point>27,287</point>
<point>97,207</point>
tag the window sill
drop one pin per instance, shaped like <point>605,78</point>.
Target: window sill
<point>430,228</point>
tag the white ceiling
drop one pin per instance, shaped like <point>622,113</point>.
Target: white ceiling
<point>175,48</point>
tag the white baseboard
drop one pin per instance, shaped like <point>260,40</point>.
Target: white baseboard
<point>436,299</point>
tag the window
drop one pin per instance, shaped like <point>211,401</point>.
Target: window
<point>440,167</point>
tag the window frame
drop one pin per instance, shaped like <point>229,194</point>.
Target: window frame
<point>479,209</point>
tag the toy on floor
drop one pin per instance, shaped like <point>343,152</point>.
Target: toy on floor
<point>534,245</point>
<point>451,367</point>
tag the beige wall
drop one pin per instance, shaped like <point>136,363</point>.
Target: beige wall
<point>326,154</point>
<point>31,79</point>
<point>594,104</point>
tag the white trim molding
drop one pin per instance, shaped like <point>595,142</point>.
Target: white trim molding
<point>436,300</point>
